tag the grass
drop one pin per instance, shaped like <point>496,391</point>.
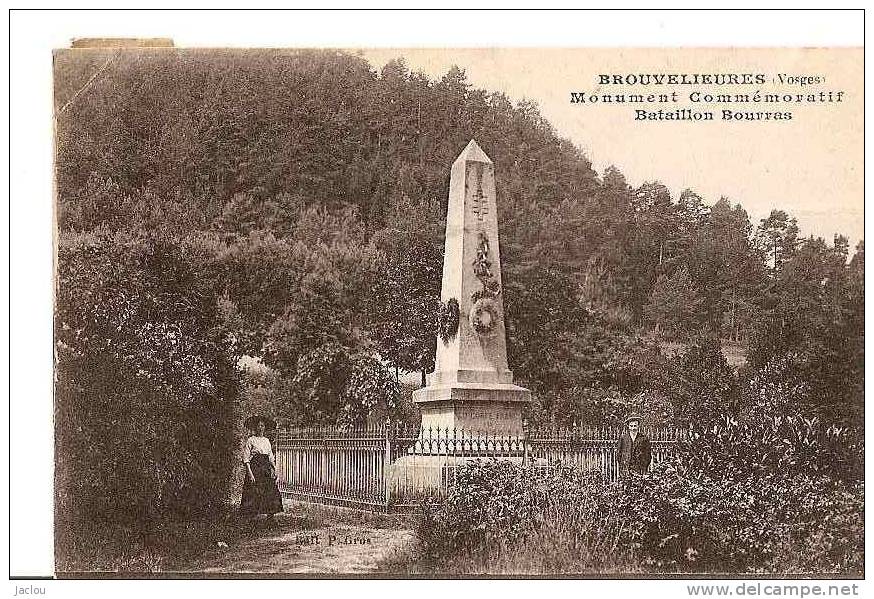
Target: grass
<point>563,546</point>
<point>174,546</point>
<point>166,547</point>
<point>120,548</point>
<point>539,555</point>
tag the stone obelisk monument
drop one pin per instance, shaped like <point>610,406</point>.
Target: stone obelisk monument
<point>472,387</point>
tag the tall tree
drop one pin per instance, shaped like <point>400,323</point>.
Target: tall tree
<point>723,262</point>
<point>815,316</point>
<point>674,307</point>
<point>651,244</point>
<point>405,301</point>
<point>777,237</point>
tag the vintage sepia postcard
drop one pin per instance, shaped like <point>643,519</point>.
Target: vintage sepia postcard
<point>459,313</point>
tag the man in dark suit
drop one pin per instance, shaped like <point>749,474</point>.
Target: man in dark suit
<point>635,450</point>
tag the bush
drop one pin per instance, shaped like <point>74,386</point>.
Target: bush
<point>773,524</point>
<point>770,496</point>
<point>770,445</point>
<point>610,407</point>
<point>496,507</point>
<point>700,382</point>
<point>146,383</point>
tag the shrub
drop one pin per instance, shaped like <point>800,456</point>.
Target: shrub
<point>773,524</point>
<point>729,504</point>
<point>700,383</point>
<point>496,507</point>
<point>734,449</point>
<point>491,502</point>
<point>146,383</point>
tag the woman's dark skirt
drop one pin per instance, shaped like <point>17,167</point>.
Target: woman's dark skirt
<point>261,496</point>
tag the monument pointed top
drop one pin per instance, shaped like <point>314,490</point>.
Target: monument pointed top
<point>473,153</point>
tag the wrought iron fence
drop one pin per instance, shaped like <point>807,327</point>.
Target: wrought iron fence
<point>390,466</point>
<point>594,448</point>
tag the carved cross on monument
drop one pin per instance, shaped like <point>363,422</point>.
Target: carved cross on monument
<point>480,206</point>
<point>472,387</point>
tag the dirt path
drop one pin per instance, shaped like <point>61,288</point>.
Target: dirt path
<point>291,548</point>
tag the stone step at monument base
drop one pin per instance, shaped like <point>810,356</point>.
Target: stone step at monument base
<point>446,378</point>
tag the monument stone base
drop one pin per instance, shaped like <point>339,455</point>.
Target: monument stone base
<point>484,408</point>
<point>468,421</point>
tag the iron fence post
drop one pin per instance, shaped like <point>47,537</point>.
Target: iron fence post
<point>387,464</point>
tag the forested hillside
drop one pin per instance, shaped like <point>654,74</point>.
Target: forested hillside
<point>309,194</point>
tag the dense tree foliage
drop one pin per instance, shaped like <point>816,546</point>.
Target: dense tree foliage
<point>813,321</point>
<point>674,305</point>
<point>146,381</point>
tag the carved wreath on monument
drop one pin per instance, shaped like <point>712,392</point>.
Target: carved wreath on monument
<point>485,312</point>
<point>447,320</point>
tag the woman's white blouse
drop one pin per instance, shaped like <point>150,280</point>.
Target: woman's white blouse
<point>255,445</point>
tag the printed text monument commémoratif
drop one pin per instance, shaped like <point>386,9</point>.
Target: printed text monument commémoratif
<point>699,97</point>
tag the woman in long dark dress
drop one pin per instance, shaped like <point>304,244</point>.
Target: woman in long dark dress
<point>260,492</point>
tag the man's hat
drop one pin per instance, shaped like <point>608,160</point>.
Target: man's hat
<point>632,418</point>
<point>251,422</point>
